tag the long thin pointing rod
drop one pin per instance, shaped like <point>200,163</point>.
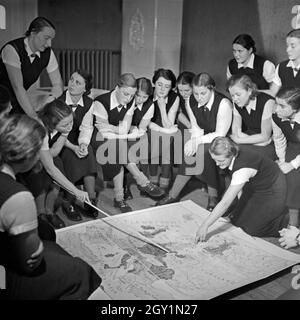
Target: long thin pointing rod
<point>139,237</point>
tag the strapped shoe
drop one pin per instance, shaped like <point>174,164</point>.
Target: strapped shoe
<point>89,211</point>
<point>122,205</point>
<point>166,200</point>
<point>70,212</point>
<point>127,193</point>
<point>55,221</point>
<point>151,190</point>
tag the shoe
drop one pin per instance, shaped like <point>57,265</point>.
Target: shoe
<point>166,200</point>
<point>89,211</point>
<point>212,202</point>
<point>151,190</point>
<point>122,205</point>
<point>55,221</point>
<point>127,193</point>
<point>70,212</point>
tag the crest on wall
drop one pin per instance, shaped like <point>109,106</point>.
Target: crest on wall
<point>136,31</point>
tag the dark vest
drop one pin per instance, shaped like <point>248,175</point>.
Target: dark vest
<point>30,71</point>
<point>267,170</point>
<point>290,133</point>
<point>286,75</point>
<point>78,116</point>
<point>182,107</point>
<point>139,114</point>
<point>157,116</point>
<point>207,120</point>
<point>114,116</point>
<point>8,187</point>
<point>256,74</point>
<point>251,123</point>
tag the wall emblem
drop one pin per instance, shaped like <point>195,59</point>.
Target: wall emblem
<point>136,31</point>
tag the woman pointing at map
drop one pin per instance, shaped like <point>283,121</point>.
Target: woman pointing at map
<point>260,210</point>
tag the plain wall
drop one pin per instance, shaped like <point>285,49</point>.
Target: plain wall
<point>209,27</point>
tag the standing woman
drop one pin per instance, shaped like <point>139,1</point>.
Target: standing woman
<point>79,165</point>
<point>210,113</point>
<point>35,270</point>
<point>252,116</point>
<point>184,89</point>
<point>286,135</point>
<point>162,126</point>
<point>22,62</point>
<point>260,210</point>
<point>260,70</point>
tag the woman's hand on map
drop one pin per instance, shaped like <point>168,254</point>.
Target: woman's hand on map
<point>288,237</point>
<point>201,233</point>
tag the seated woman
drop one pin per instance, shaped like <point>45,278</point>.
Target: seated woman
<point>112,116</point>
<point>162,127</point>
<point>252,116</point>
<point>210,113</point>
<point>286,135</point>
<point>35,270</point>
<point>246,62</point>
<point>184,89</point>
<point>143,113</point>
<point>57,118</point>
<point>260,210</point>
<point>79,165</point>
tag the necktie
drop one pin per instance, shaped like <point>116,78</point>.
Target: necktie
<point>296,70</point>
<point>120,106</point>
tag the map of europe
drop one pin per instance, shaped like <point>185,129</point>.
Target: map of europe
<point>123,251</point>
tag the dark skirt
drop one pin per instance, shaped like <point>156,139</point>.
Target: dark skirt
<point>59,277</point>
<point>77,168</point>
<point>37,180</point>
<point>293,177</point>
<point>263,213</point>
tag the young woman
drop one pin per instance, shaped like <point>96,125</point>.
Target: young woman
<point>260,70</point>
<point>162,127</point>
<point>184,89</point>
<point>210,113</point>
<point>22,62</point>
<point>57,118</point>
<point>112,115</point>
<point>286,135</point>
<point>252,116</point>
<point>79,167</point>
<point>260,210</point>
<point>286,73</point>
<point>143,113</point>
<point>35,270</point>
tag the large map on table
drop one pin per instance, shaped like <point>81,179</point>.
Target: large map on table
<point>137,269</point>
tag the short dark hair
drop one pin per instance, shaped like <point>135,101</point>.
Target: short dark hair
<point>246,41</point>
<point>294,34</point>
<point>88,78</point>
<point>38,24</point>
<point>185,77</point>
<point>53,112</point>
<point>165,73</point>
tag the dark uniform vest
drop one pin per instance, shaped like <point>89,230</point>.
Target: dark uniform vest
<point>256,74</point>
<point>286,75</point>
<point>139,114</point>
<point>30,71</point>
<point>207,120</point>
<point>251,123</point>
